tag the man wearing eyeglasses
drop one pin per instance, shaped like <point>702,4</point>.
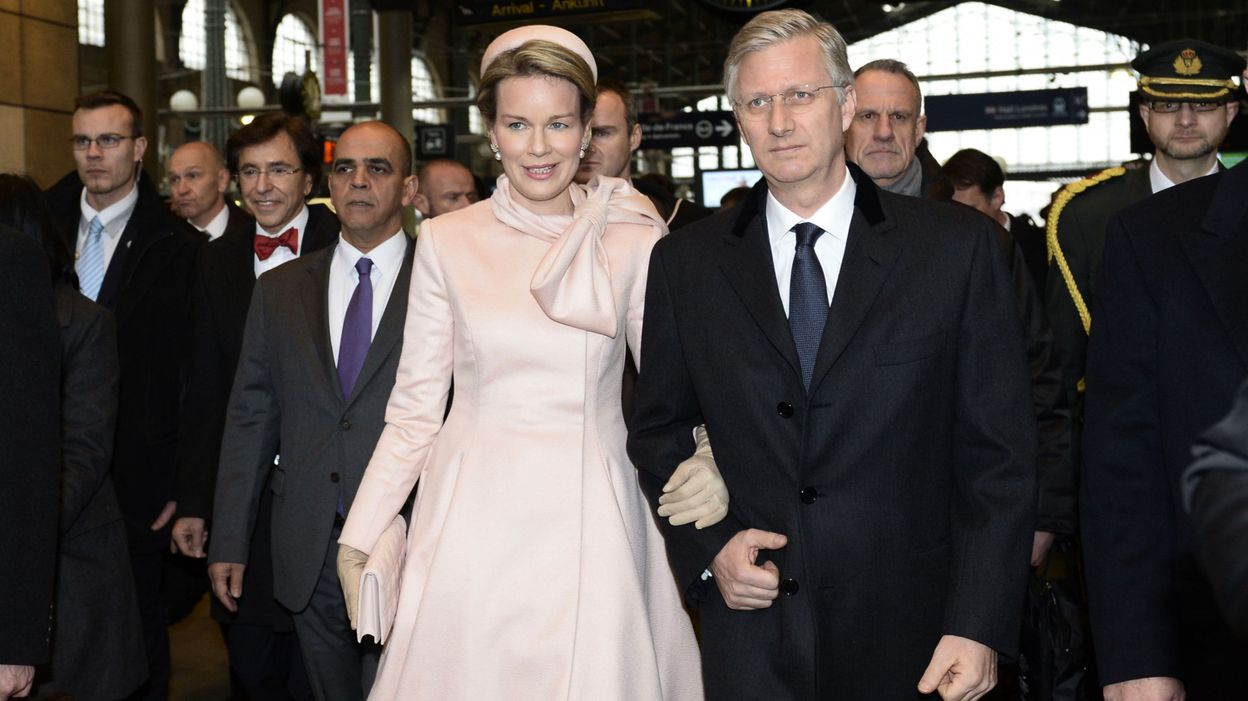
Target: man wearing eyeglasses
<point>858,362</point>
<point>1168,346</point>
<point>276,160</point>
<point>132,258</point>
<point>1186,101</point>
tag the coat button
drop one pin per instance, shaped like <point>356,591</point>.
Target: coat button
<point>333,477</point>
<point>346,425</point>
<point>808,495</point>
<point>789,586</point>
<point>784,409</point>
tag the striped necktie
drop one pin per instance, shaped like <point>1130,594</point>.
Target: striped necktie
<point>90,266</point>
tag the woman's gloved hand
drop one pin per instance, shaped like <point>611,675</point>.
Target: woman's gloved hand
<point>350,571</point>
<point>696,492</point>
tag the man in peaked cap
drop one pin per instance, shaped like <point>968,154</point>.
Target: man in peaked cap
<point>1167,348</point>
<point>1187,102</point>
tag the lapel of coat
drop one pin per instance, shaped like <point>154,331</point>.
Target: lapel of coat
<point>390,329</point>
<point>748,266</point>
<point>869,257</point>
<point>1218,252</point>
<point>148,224</point>
<point>314,299</point>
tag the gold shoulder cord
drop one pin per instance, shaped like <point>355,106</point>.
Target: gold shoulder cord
<point>1055,249</point>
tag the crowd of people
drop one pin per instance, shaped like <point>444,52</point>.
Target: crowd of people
<point>812,445</point>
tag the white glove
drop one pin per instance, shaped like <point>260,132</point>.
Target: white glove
<point>696,492</point>
<point>350,571</point>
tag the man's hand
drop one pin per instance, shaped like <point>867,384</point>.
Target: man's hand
<point>188,537</point>
<point>351,564</point>
<point>227,583</point>
<point>1040,544</point>
<point>744,585</point>
<point>1146,689</point>
<point>15,680</point>
<point>961,669</point>
<point>165,514</point>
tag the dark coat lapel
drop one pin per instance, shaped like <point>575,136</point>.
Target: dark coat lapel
<point>390,330</point>
<point>314,299</point>
<point>322,229</point>
<point>748,265</point>
<point>1218,253</point>
<point>869,257</point>
<point>147,225</point>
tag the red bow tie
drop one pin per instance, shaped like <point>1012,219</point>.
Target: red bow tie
<point>265,245</point>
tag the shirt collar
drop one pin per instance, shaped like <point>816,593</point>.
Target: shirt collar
<point>300,222</point>
<point>1158,181</point>
<point>387,257</point>
<point>216,227</point>
<point>118,211</point>
<point>833,217</point>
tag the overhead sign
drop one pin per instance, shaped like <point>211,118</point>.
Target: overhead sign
<point>483,11</point>
<point>667,130</point>
<point>435,141</point>
<point>334,46</point>
<point>1005,110</point>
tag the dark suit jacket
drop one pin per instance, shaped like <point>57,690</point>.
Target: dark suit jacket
<point>286,393</point>
<point>905,480</point>
<point>1217,488</point>
<point>1030,239</point>
<point>30,448</point>
<point>224,279</point>
<point>147,287</point>
<point>97,644</point>
<point>1169,345</point>
<point>1081,235</point>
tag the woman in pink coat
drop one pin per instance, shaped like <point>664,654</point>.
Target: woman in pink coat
<point>534,568</point>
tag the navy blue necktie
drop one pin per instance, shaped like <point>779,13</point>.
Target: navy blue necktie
<point>808,299</point>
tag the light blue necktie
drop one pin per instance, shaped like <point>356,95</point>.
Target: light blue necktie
<point>90,266</point>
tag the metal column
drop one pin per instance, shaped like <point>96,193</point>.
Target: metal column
<point>130,26</point>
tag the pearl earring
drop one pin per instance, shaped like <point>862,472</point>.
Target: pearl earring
<point>494,147</point>
<point>582,151</point>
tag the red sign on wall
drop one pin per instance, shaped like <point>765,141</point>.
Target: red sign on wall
<point>335,54</point>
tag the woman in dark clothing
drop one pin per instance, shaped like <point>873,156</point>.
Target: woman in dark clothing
<point>97,644</point>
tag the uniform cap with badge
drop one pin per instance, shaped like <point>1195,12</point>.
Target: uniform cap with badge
<point>1188,70</point>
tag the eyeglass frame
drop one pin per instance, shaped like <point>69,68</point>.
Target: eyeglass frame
<point>785,98</point>
<point>1210,105</point>
<point>244,174</point>
<point>77,141</point>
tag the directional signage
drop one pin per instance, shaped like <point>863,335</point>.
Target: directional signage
<point>1024,108</point>
<point>435,141</point>
<point>666,130</point>
<point>483,11</point>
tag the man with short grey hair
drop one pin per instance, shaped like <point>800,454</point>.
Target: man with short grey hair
<point>886,137</point>
<point>857,359</point>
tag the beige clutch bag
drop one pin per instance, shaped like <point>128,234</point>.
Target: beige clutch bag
<point>379,585</point>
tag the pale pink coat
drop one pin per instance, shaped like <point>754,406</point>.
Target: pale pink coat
<point>534,566</point>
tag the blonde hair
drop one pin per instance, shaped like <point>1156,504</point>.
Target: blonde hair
<point>778,26</point>
<point>537,57</point>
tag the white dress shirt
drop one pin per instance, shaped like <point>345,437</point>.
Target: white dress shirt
<point>281,254</point>
<point>216,227</point>
<point>387,259</point>
<point>1158,181</point>
<point>833,217</point>
<point>114,218</point>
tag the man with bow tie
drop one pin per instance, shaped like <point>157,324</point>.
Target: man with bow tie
<point>276,160</point>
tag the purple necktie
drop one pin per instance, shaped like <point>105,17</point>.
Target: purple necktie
<point>357,329</point>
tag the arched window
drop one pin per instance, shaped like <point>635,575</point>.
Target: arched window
<point>91,22</point>
<point>424,88</point>
<point>294,46</point>
<point>192,49</point>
